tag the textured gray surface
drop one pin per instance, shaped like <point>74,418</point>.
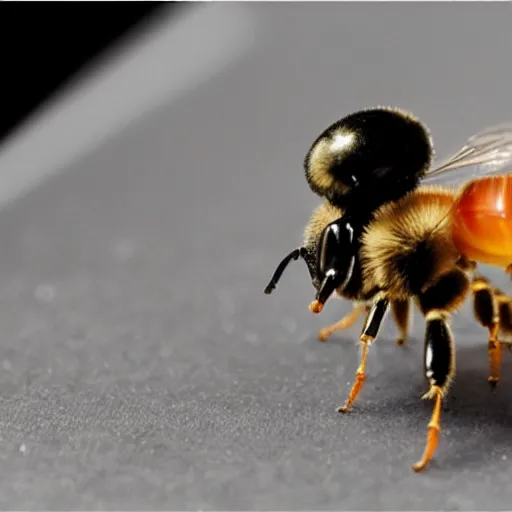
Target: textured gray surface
<point>142,365</point>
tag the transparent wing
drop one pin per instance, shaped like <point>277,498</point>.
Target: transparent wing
<point>486,153</point>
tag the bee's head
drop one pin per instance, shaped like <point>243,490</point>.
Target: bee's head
<point>379,152</point>
<point>334,259</point>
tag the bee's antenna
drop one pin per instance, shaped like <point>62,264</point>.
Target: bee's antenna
<point>294,255</point>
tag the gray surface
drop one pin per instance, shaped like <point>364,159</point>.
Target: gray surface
<point>143,367</point>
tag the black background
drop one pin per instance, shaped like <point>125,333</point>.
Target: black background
<point>44,44</point>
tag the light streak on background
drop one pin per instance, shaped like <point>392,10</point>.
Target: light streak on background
<point>159,64</point>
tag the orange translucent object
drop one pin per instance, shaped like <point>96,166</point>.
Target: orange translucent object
<point>482,221</point>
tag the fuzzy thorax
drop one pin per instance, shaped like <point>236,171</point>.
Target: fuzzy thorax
<point>408,245</point>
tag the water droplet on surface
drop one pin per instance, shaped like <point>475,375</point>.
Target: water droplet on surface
<point>251,337</point>
<point>228,327</point>
<point>290,325</point>
<point>311,357</point>
<point>227,303</point>
<point>45,293</point>
<point>124,250</point>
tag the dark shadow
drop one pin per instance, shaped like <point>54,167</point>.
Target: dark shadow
<point>476,418</point>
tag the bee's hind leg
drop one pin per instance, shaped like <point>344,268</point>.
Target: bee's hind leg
<point>505,311</point>
<point>487,312</point>
<point>437,303</point>
<point>401,314</point>
<point>346,322</point>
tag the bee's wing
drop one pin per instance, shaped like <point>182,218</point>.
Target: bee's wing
<point>486,153</point>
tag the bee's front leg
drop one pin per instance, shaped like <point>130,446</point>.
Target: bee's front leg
<point>370,330</point>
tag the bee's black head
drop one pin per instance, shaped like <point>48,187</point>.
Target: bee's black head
<point>372,156</point>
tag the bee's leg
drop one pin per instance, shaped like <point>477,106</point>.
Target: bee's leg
<point>401,312</point>
<point>347,321</point>
<point>439,366</point>
<point>437,303</point>
<point>486,310</point>
<point>505,312</point>
<point>371,328</point>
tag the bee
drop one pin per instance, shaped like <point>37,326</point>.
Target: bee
<point>393,230</point>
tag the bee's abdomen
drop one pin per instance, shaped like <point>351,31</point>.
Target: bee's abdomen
<point>482,221</point>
